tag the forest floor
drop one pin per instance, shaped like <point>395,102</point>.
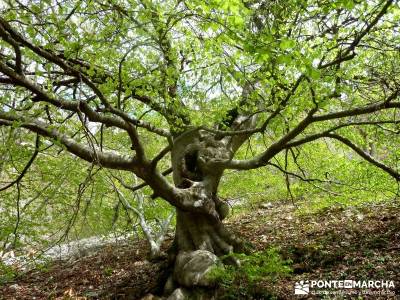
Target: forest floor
<point>358,243</point>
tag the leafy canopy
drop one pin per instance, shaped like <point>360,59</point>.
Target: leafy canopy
<point>115,82</point>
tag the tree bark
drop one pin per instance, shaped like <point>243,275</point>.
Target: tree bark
<point>196,231</point>
<point>203,229</point>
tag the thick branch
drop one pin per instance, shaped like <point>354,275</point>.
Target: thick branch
<point>18,58</point>
<point>142,169</point>
<point>365,155</point>
<point>347,55</point>
<point>108,160</point>
<point>275,148</point>
<point>349,143</point>
<point>80,106</point>
<point>362,110</point>
<point>313,137</point>
<point>54,59</point>
<point>369,27</point>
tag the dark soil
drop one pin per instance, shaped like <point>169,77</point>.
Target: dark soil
<point>360,243</point>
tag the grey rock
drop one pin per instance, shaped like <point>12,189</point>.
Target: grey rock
<point>14,286</point>
<point>179,294</point>
<point>169,286</point>
<point>150,297</point>
<point>267,205</point>
<point>192,268</point>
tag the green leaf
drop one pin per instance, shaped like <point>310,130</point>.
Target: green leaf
<point>348,4</point>
<point>284,59</point>
<point>314,73</point>
<point>287,44</point>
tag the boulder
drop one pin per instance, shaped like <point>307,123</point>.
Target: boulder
<point>192,268</point>
<point>179,294</point>
<point>267,205</point>
<point>198,293</point>
<point>150,297</point>
<point>169,286</point>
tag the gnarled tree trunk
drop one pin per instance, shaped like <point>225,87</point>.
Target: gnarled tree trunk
<point>202,230</point>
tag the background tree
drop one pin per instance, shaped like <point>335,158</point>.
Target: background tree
<point>101,80</point>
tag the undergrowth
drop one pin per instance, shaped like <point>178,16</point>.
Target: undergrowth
<point>7,273</point>
<point>244,281</point>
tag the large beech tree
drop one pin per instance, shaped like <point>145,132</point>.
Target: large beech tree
<point>203,78</point>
